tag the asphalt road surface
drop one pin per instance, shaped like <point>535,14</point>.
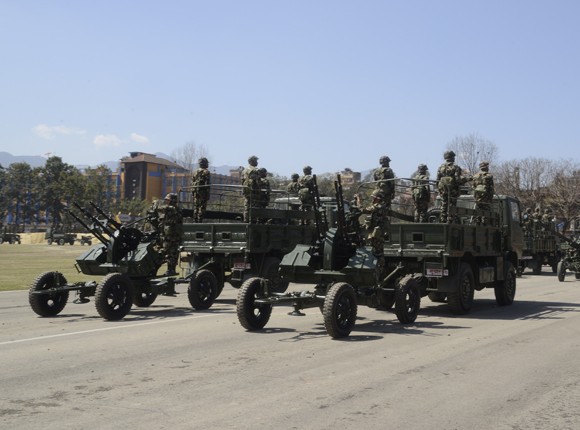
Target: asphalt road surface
<point>169,367</point>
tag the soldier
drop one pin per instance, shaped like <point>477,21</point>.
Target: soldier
<point>449,179</point>
<point>251,184</point>
<point>200,182</point>
<point>171,231</point>
<point>547,219</point>
<point>307,192</point>
<point>385,177</point>
<point>527,221</point>
<point>376,225</point>
<point>421,193</point>
<point>265,188</point>
<point>294,185</point>
<point>483,190</point>
<point>537,219</point>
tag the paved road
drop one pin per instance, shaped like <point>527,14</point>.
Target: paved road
<point>168,367</point>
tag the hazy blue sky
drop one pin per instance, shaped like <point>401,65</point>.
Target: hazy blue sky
<point>332,84</point>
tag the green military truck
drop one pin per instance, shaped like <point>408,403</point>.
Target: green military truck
<point>8,234</point>
<point>447,262</point>
<point>541,247</point>
<point>59,236</point>
<point>225,248</point>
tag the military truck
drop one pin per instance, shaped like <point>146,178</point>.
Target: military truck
<point>541,247</point>
<point>443,261</point>
<point>9,235</point>
<point>226,248</point>
<point>58,235</point>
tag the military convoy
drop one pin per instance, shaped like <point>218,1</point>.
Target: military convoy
<point>541,247</point>
<point>446,262</point>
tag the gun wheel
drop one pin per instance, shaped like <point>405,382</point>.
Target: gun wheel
<point>144,300</point>
<point>561,271</point>
<point>340,308</point>
<point>202,290</point>
<point>114,296</point>
<point>505,291</point>
<point>407,300</point>
<point>48,305</point>
<point>252,316</point>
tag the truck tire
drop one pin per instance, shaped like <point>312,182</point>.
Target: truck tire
<point>202,290</point>
<point>561,271</point>
<point>505,291</point>
<point>461,300</point>
<point>340,309</point>
<point>270,272</point>
<point>252,316</point>
<point>61,242</point>
<point>49,241</point>
<point>407,300</point>
<point>537,265</point>
<point>48,305</point>
<point>114,296</point>
<point>437,297</point>
<point>577,275</point>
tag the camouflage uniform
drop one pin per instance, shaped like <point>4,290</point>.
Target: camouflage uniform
<point>294,185</point>
<point>483,190</point>
<point>421,193</point>
<point>307,191</point>
<point>527,221</point>
<point>547,219</point>
<point>376,224</point>
<point>386,184</point>
<point>200,181</point>
<point>536,219</point>
<point>171,230</point>
<point>251,184</point>
<point>449,179</point>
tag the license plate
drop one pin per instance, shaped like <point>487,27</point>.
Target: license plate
<point>241,265</point>
<point>436,273</point>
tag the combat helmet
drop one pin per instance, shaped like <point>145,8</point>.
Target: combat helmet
<point>384,159</point>
<point>253,160</point>
<point>203,162</point>
<point>307,170</point>
<point>484,165</point>
<point>422,167</point>
<point>172,197</point>
<point>449,155</point>
<point>295,176</point>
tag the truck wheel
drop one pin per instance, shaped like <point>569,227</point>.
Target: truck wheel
<point>577,275</point>
<point>340,310</point>
<point>61,242</point>
<point>202,290</point>
<point>48,305</point>
<point>407,300</point>
<point>561,271</point>
<point>461,300</point>
<point>1,240</point>
<point>270,272</point>
<point>537,268</point>
<point>144,300</point>
<point>114,296</point>
<point>252,316</point>
<point>49,241</point>
<point>505,291</point>
<point>11,241</point>
<point>437,297</point>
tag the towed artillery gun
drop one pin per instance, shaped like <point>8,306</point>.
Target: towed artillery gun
<point>129,260</point>
<point>570,257</point>
<point>446,262</point>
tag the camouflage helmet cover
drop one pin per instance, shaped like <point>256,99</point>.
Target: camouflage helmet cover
<point>484,164</point>
<point>384,159</point>
<point>171,197</point>
<point>253,159</point>
<point>203,162</point>
<point>422,167</point>
<point>295,176</point>
<point>307,170</point>
<point>449,155</point>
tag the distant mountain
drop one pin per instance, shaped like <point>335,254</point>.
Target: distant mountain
<point>6,159</point>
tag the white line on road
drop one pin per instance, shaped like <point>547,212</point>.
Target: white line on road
<point>104,329</point>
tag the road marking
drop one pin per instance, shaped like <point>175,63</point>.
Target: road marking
<point>52,336</point>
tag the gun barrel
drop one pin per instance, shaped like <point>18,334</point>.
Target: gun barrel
<point>95,233</point>
<point>107,217</point>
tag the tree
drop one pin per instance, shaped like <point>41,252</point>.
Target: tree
<point>472,149</point>
<point>188,154</point>
<point>63,183</point>
<point>99,187</point>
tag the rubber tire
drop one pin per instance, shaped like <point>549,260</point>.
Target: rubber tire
<point>577,275</point>
<point>505,291</point>
<point>340,309</point>
<point>51,304</point>
<point>561,271</point>
<point>1,240</point>
<point>461,300</point>
<point>49,241</point>
<point>61,242</point>
<point>407,300</point>
<point>537,269</point>
<point>202,289</point>
<point>437,297</point>
<point>144,300</point>
<point>250,315</point>
<point>114,296</point>
<point>270,272</point>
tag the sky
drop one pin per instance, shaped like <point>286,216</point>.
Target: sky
<point>333,84</point>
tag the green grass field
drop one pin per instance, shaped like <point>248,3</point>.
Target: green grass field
<point>21,264</point>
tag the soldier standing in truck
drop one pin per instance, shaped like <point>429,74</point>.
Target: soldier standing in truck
<point>251,186</point>
<point>200,182</point>
<point>421,191</point>
<point>449,179</point>
<point>385,178</point>
<point>483,191</point>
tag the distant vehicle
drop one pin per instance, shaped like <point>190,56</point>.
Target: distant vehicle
<point>59,236</point>
<point>9,235</point>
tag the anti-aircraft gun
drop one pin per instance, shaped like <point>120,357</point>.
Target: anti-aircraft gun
<point>570,249</point>
<point>128,257</point>
<point>344,273</point>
